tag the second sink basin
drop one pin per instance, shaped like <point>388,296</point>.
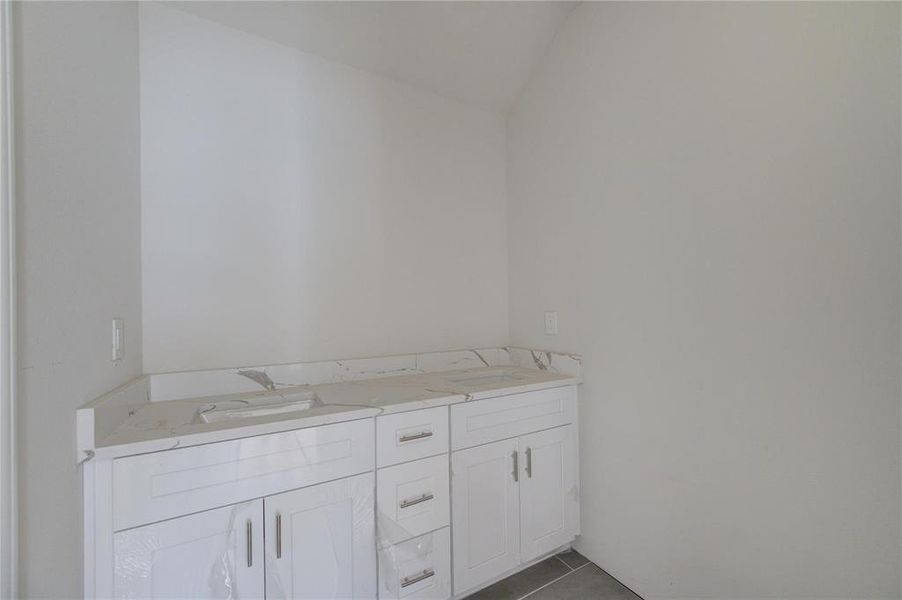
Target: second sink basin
<point>258,406</point>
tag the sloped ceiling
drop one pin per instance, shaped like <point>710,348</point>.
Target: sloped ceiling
<point>478,52</point>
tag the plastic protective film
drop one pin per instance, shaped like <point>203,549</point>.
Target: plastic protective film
<point>199,556</point>
<point>320,537</point>
<point>418,567</point>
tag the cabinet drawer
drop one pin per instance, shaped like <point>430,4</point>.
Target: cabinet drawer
<point>484,421</point>
<point>153,487</point>
<point>412,499</point>
<point>411,435</point>
<point>418,568</point>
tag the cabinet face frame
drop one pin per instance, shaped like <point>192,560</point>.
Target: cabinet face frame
<point>97,476</point>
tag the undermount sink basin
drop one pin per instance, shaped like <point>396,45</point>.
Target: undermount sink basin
<point>485,378</point>
<point>258,406</point>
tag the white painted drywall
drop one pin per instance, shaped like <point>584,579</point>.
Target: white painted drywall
<point>76,95</point>
<point>478,52</point>
<point>709,195</point>
<point>296,209</point>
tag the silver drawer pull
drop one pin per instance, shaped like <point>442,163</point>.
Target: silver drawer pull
<point>412,579</point>
<point>414,501</point>
<point>415,436</point>
<point>529,462</point>
<point>250,544</point>
<point>278,535</point>
<point>516,472</point>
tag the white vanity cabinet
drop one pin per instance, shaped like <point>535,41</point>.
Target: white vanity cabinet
<point>515,499</point>
<point>426,504</point>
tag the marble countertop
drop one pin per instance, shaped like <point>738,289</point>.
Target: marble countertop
<point>162,425</point>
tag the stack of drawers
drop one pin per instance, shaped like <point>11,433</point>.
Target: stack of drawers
<point>413,504</point>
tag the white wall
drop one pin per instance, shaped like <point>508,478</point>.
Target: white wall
<point>710,196</point>
<point>296,209</point>
<point>76,86</point>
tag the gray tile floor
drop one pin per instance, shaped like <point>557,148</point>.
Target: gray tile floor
<point>566,576</point>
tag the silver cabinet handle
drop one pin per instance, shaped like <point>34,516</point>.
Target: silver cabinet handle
<point>516,472</point>
<point>412,579</point>
<point>415,436</point>
<point>250,544</point>
<point>414,501</point>
<point>278,535</point>
<point>529,462</point>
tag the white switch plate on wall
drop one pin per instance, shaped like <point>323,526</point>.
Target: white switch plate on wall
<point>118,339</point>
<point>550,322</point>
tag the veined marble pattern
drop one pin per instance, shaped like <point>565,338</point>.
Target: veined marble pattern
<point>460,359</point>
<point>193,384</point>
<point>544,360</point>
<point>370,368</point>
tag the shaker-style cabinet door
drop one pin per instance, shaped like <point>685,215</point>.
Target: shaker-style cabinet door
<point>320,541</point>
<point>548,495</point>
<point>485,512</point>
<point>212,554</point>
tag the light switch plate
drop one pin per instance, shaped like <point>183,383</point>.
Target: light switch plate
<point>550,322</point>
<point>118,341</point>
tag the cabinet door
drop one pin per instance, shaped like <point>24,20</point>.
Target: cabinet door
<point>212,554</point>
<point>548,497</point>
<point>320,541</point>
<point>485,509</point>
